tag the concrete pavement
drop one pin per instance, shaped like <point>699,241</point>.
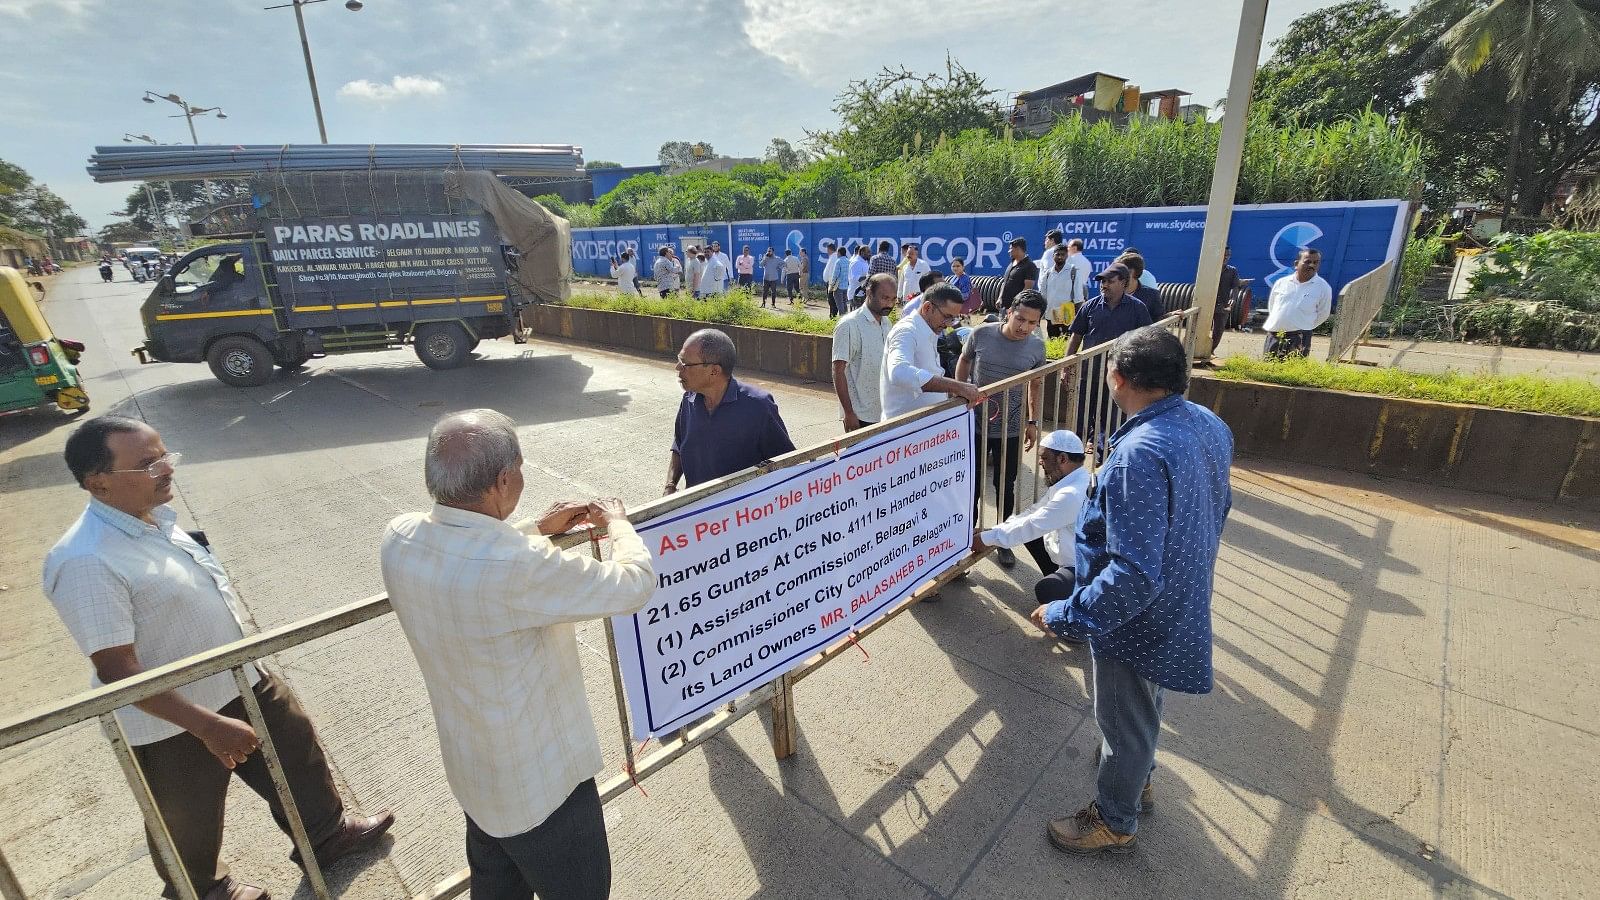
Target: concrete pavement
<point>1404,700</point>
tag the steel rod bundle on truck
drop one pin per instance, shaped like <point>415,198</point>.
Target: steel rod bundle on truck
<point>179,162</point>
<point>352,260</point>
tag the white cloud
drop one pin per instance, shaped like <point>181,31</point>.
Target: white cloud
<point>24,8</point>
<point>399,87</point>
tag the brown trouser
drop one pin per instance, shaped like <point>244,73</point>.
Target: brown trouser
<point>191,786</point>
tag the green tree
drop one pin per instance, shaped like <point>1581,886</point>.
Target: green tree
<point>124,232</point>
<point>683,154</point>
<point>784,155</point>
<point>593,164</point>
<point>1336,62</point>
<point>898,113</point>
<point>1546,56</point>
<point>31,206</point>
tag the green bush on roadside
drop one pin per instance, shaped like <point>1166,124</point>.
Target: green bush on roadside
<point>736,307</point>
<point>1528,393</point>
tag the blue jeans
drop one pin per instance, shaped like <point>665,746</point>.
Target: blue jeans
<point>1128,711</point>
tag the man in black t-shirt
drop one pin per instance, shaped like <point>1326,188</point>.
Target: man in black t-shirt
<point>1020,276</point>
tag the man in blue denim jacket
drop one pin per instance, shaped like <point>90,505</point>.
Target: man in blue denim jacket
<point>1147,543</point>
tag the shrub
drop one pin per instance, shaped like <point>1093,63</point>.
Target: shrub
<point>736,307</point>
<point>1557,266</point>
<point>1529,324</point>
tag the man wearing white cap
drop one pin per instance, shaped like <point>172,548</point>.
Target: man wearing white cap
<point>1046,529</point>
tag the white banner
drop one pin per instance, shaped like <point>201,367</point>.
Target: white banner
<point>753,580</point>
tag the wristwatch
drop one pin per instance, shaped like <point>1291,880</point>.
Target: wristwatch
<point>1034,422</point>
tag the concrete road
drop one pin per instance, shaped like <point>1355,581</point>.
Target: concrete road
<point>1403,708</point>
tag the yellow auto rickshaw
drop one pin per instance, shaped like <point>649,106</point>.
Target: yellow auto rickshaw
<point>36,367</point>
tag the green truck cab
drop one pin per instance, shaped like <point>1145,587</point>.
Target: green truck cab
<point>299,280</point>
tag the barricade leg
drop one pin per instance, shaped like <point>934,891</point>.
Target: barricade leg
<point>160,836</point>
<point>291,810</point>
<point>785,729</point>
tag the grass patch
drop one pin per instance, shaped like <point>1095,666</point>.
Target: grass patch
<point>736,307</point>
<point>1527,393</point>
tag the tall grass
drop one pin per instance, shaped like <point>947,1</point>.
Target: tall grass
<point>1150,162</point>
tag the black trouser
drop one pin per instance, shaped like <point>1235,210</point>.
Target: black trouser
<point>1283,344</point>
<point>1095,406</point>
<point>565,857</point>
<point>1055,586</point>
<point>1219,321</point>
<point>1002,456</point>
<point>791,283</point>
<point>191,786</point>
<point>1041,556</point>
<point>745,280</point>
<point>837,305</point>
<point>769,289</point>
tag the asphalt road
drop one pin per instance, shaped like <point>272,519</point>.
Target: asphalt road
<point>1404,700</point>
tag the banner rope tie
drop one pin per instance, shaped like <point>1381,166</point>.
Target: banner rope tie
<point>628,767</point>
<point>851,634</point>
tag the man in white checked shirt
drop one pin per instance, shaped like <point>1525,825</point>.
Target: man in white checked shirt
<point>490,612</point>
<point>137,592</point>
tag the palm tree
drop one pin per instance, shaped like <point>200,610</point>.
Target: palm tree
<point>1531,41</point>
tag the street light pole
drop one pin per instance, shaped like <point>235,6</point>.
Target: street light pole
<point>311,72</point>
<point>305,50</point>
<point>1225,176</point>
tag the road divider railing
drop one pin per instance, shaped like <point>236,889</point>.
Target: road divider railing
<point>1078,397</point>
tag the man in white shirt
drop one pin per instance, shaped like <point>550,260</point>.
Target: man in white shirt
<point>622,269</point>
<point>693,268</point>
<point>1297,305</point>
<point>860,268</point>
<point>1078,261</point>
<point>912,271</point>
<point>912,376</point>
<point>1057,282</point>
<point>136,592</point>
<point>489,611</point>
<point>858,345</point>
<point>714,277</point>
<point>1052,240</point>
<point>726,270</point>
<point>1047,528</point>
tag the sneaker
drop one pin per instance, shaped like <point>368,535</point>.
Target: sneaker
<point>1007,558</point>
<point>1086,832</point>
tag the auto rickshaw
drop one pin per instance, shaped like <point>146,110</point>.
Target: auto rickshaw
<point>36,367</point>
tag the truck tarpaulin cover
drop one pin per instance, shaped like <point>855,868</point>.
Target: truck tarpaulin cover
<point>360,236</point>
<point>542,238</point>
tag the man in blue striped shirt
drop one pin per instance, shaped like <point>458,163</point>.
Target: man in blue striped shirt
<point>1147,544</point>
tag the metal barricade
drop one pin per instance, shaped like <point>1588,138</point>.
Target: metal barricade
<point>1072,376</point>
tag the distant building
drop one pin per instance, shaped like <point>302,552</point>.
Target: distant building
<point>1097,96</point>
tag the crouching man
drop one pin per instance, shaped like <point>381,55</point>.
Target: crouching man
<point>490,613</point>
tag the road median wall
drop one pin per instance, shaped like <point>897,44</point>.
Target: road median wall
<point>1526,455</point>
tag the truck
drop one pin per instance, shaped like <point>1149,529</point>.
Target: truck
<point>320,263</point>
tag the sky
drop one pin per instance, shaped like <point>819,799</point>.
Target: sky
<point>616,78</point>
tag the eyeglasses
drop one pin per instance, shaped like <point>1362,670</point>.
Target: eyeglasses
<point>162,466</point>
<point>690,365</point>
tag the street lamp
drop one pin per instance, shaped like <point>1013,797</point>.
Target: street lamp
<point>189,112</point>
<point>305,47</point>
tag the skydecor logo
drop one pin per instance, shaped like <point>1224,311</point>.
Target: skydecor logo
<point>1287,244</point>
<point>1176,225</point>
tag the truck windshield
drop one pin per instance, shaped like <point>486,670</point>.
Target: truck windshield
<point>199,270</point>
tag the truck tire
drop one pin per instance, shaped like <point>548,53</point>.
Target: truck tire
<point>240,361</point>
<point>442,345</point>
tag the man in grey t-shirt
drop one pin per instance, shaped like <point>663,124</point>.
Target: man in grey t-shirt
<point>994,352</point>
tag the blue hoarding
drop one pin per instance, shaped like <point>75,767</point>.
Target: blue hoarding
<point>1354,237</point>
